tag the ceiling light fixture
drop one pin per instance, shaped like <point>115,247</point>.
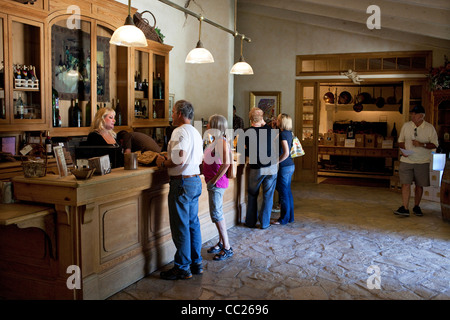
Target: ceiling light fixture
<point>129,35</point>
<point>199,54</point>
<point>241,67</point>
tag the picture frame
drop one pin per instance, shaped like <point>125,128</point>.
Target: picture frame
<point>61,161</point>
<point>171,103</point>
<point>268,101</point>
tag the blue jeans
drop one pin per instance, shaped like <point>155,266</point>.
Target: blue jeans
<point>184,222</point>
<point>285,193</point>
<point>268,182</point>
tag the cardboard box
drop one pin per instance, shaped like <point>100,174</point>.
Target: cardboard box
<point>436,178</point>
<point>432,194</point>
<point>359,140</point>
<point>329,139</point>
<point>370,140</point>
<point>340,139</point>
<point>379,141</point>
<point>395,185</point>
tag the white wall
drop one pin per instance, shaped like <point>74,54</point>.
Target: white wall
<point>276,42</point>
<point>209,87</point>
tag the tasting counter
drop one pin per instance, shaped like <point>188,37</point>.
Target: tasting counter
<point>114,227</point>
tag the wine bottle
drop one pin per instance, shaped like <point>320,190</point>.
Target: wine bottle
<point>118,114</point>
<point>77,115</point>
<point>48,144</point>
<point>55,108</point>
<point>394,131</point>
<point>350,131</point>
<point>19,108</point>
<point>71,122</point>
<point>144,110</point>
<point>88,115</point>
<point>160,87</point>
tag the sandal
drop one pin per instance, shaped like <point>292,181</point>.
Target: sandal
<point>215,249</point>
<point>275,222</point>
<point>224,254</point>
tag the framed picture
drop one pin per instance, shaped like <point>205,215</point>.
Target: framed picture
<point>267,101</point>
<point>171,103</point>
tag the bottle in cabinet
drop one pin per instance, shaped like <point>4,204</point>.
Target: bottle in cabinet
<point>88,113</point>
<point>350,131</point>
<point>158,88</point>
<point>48,144</point>
<point>19,108</point>
<point>118,114</point>
<point>56,117</point>
<point>70,113</point>
<point>77,115</point>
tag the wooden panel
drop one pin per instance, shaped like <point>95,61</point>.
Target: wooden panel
<point>120,225</point>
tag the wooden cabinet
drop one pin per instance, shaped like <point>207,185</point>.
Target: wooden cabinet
<point>22,89</point>
<point>75,63</point>
<point>151,90</point>
<point>441,118</point>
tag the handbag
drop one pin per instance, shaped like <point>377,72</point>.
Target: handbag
<point>296,149</point>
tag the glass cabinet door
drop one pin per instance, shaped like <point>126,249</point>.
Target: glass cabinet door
<point>142,90</point>
<point>71,75</point>
<point>26,58</point>
<point>3,111</point>
<point>112,89</point>
<point>159,86</point>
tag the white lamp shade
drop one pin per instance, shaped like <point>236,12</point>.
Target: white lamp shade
<point>129,36</point>
<point>241,68</point>
<point>199,55</point>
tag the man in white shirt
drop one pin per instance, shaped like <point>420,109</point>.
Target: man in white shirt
<point>418,138</point>
<point>185,154</point>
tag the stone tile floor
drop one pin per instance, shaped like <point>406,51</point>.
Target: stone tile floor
<point>339,232</point>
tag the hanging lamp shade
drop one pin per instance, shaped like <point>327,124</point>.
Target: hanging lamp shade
<point>241,67</point>
<point>199,54</point>
<point>129,35</point>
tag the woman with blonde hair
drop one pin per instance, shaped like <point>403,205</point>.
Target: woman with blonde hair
<point>215,165</point>
<point>286,169</point>
<point>102,128</point>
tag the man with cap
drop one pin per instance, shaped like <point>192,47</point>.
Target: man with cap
<point>418,138</point>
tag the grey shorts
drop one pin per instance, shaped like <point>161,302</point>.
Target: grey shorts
<point>419,173</point>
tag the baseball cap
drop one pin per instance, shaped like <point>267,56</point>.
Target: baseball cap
<point>418,109</point>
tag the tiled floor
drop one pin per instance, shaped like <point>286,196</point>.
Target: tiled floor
<point>339,233</point>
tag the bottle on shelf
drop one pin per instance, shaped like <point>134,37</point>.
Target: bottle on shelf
<point>70,113</point>
<point>19,108</point>
<point>118,114</point>
<point>145,88</point>
<point>88,115</point>
<point>56,118</point>
<point>48,144</point>
<point>144,110</point>
<point>154,110</point>
<point>394,134</point>
<point>350,131</point>
<point>159,93</point>
<point>136,81</point>
<point>446,136</point>
<point>77,115</point>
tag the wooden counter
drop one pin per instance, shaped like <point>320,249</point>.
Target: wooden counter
<point>114,227</point>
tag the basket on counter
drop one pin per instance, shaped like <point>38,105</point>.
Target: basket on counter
<point>35,165</point>
<point>144,25</point>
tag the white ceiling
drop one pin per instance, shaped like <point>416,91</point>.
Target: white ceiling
<point>424,22</point>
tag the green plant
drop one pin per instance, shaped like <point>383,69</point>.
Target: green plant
<point>439,78</point>
<point>160,35</point>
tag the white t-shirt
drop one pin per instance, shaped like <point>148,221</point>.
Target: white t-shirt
<point>425,134</point>
<point>188,139</point>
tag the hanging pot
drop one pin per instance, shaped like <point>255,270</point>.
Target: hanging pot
<point>380,100</point>
<point>345,98</point>
<point>364,97</point>
<point>358,106</point>
<point>328,97</point>
<point>392,99</point>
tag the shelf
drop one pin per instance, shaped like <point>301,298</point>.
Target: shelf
<point>366,107</point>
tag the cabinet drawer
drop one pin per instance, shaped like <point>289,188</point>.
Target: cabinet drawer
<point>342,152</point>
<point>357,152</point>
<point>374,153</point>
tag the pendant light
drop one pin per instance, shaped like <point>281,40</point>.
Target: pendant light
<point>199,54</point>
<point>129,35</point>
<point>241,67</point>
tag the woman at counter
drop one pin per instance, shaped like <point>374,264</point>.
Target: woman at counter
<point>285,170</point>
<point>102,128</point>
<point>215,167</point>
